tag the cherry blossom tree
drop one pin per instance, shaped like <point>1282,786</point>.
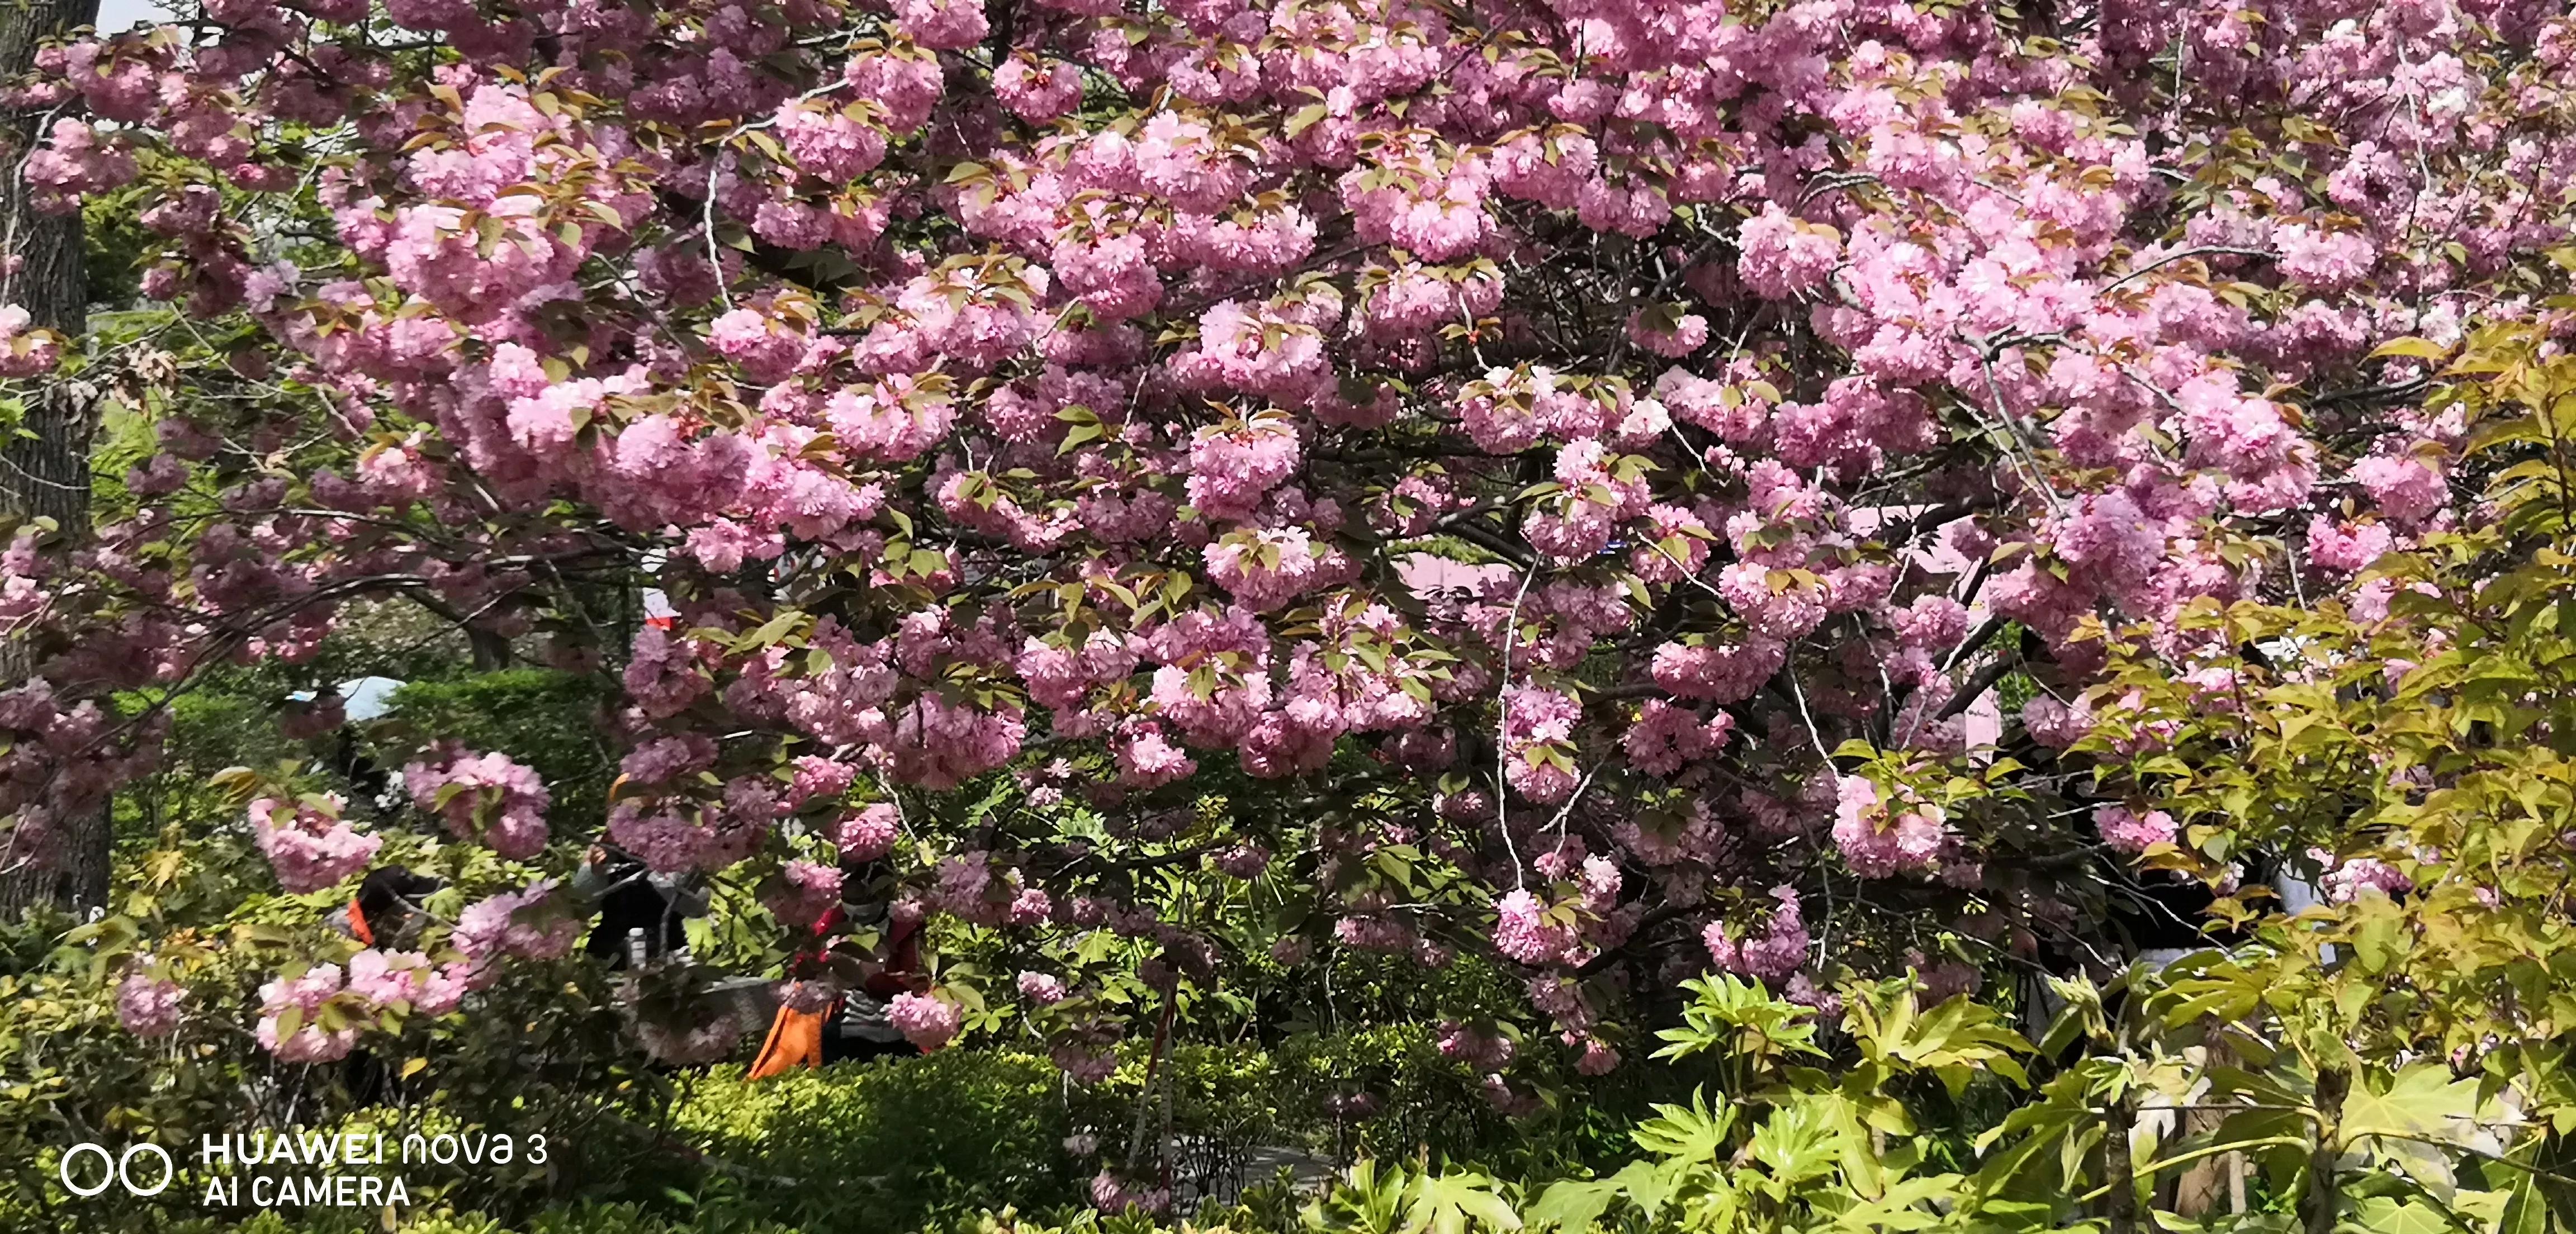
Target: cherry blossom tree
<point>1559,479</point>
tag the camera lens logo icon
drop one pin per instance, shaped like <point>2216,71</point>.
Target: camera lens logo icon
<point>113,1170</point>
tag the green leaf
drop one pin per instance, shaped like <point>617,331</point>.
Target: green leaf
<point>2417,348</point>
<point>1576,1205</point>
<point>2422,1100</point>
<point>1695,1132</point>
<point>2381,1214</point>
<point>1451,1203</point>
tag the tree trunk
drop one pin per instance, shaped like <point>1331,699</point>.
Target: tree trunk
<point>2197,1190</point>
<point>2317,1207</point>
<point>2120,1206</point>
<point>44,470</point>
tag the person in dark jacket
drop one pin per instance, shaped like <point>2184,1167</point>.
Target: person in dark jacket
<point>639,911</point>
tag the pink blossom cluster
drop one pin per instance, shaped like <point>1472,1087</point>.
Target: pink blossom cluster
<point>26,352</point>
<point>307,842</point>
<point>868,834</point>
<point>1042,989</point>
<point>527,924</point>
<point>924,1020</point>
<point>1775,953</point>
<point>148,1006</point>
<point>1532,932</point>
<point>1115,1194</point>
<point>1879,837</point>
<point>803,891</point>
<point>1480,1048</point>
<point>483,796</point>
<point>1538,732</point>
<point>2349,878</point>
<point>2133,831</point>
<point>308,1041</point>
<point>407,979</point>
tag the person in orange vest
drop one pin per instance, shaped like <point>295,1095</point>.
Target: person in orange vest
<point>385,913</point>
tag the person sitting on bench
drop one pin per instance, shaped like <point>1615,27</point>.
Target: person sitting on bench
<point>855,1026</point>
<point>642,915</point>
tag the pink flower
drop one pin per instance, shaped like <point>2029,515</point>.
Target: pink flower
<point>1935,623</point>
<point>869,834</point>
<point>924,1020</point>
<point>483,796</point>
<point>1783,255</point>
<point>24,352</point>
<point>2327,261</point>
<point>1029,906</point>
<point>2404,488</point>
<point>1667,333</point>
<point>1779,950</point>
<point>1877,839</point>
<point>664,759</point>
<point>383,977</point>
<point>1115,1195</point>
<point>2346,547</point>
<point>310,1042</point>
<point>765,347</point>
<point>524,923</point>
<point>1522,932</point>
<point>1233,467</point>
<point>2128,831</point>
<point>309,845</point>
<point>1041,988</point>
<point>1037,92</point>
<point>905,86</point>
<point>1601,880</point>
<point>942,25</point>
<point>2055,724</point>
<point>2348,879</point>
<point>2113,544</point>
<point>1147,760</point>
<point>73,162</point>
<point>148,1006</point>
<point>803,892</point>
<point>1266,569</point>
<point>1482,1050</point>
<point>937,744</point>
<point>1538,732</point>
<point>1245,860</point>
<point>1257,350</point>
<point>386,978</point>
<point>1718,674</point>
<point>830,144</point>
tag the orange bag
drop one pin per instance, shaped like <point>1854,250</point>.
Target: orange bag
<point>795,1039</point>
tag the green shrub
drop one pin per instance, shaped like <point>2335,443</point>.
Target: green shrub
<point>887,1146</point>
